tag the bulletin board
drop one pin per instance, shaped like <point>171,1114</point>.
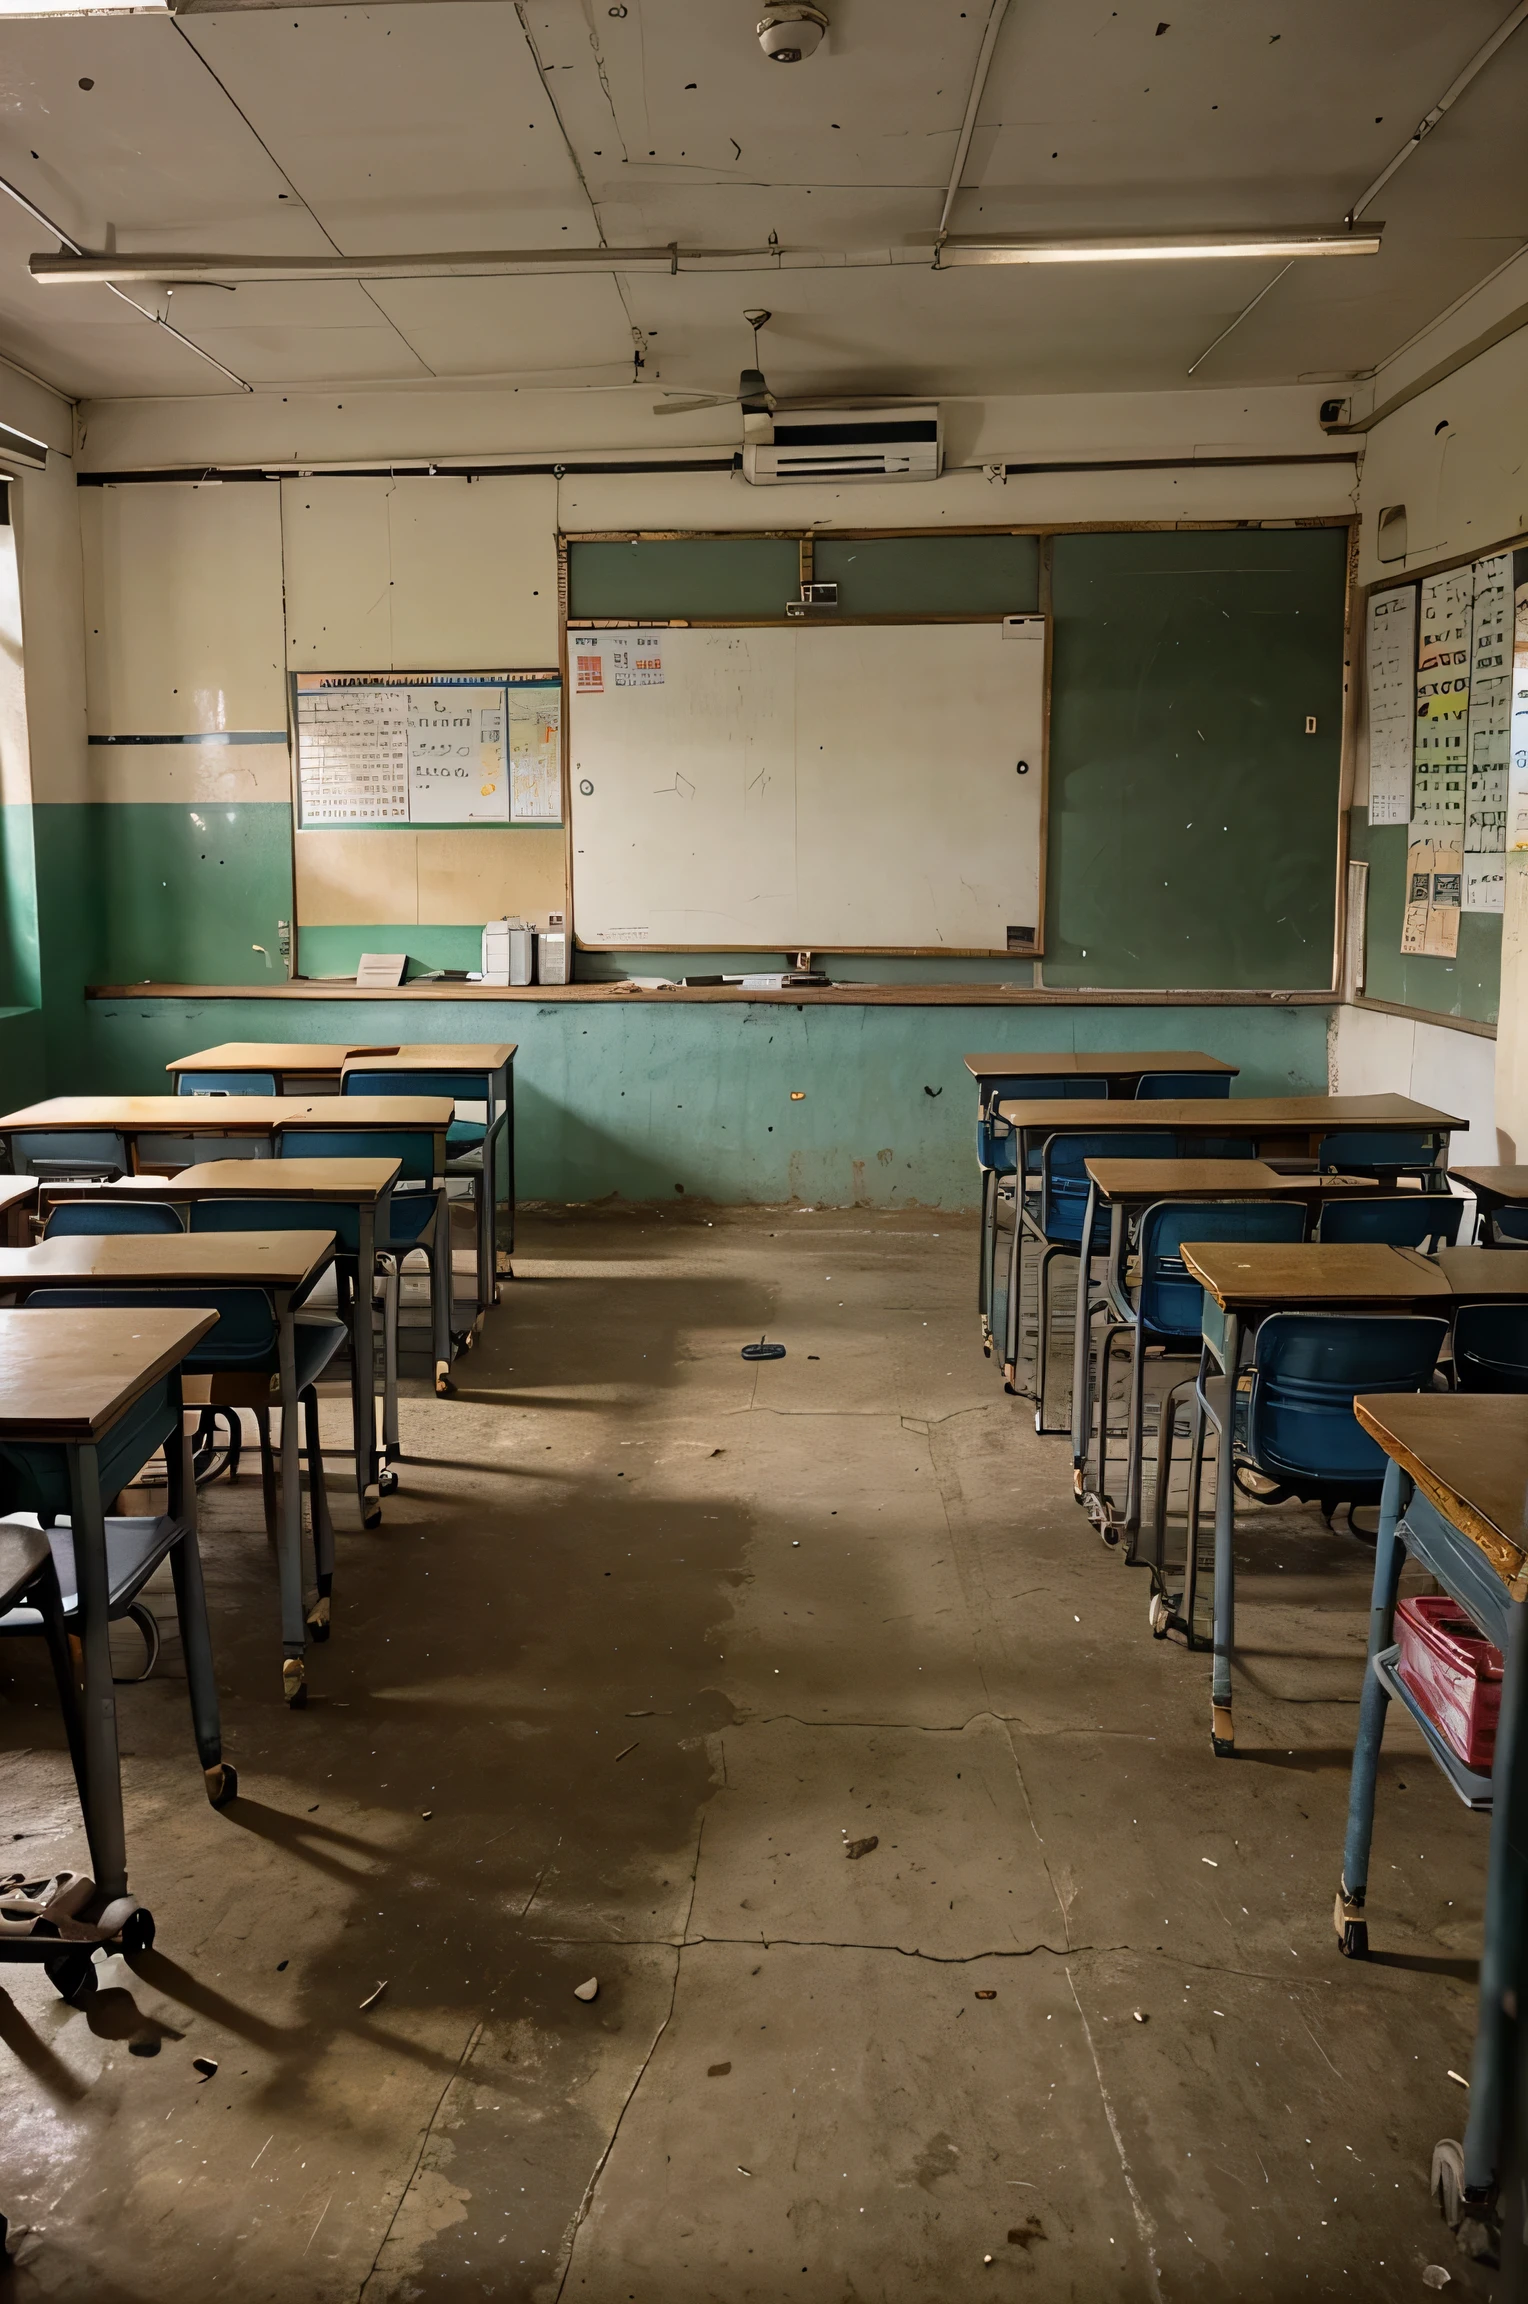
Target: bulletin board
<point>390,750</point>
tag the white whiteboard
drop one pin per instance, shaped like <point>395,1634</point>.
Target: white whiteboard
<point>849,787</point>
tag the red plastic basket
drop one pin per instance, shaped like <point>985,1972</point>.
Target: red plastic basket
<point>1454,1674</point>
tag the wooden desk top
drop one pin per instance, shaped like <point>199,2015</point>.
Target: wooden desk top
<point>178,1259</point>
<point>364,1112</point>
<point>1146,1180</point>
<point>436,1056</point>
<point>180,1115</point>
<point>1484,1276</point>
<point>1499,1183</point>
<point>14,1189</point>
<point>1307,1274</point>
<point>1075,1066</point>
<point>359,1180</point>
<point>69,1375</point>
<point>1231,1116</point>
<point>1468,1453</point>
<point>278,1056</point>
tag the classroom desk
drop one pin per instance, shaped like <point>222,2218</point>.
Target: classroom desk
<point>1494,1188</point>
<point>1243,1281</point>
<point>283,1264</point>
<point>494,1062</point>
<point>69,1382</point>
<point>18,1205</point>
<point>1291,1126</point>
<point>1456,1501</point>
<point>301,1067</point>
<point>1121,1069</point>
<point>146,1117</point>
<point>365,1186</point>
<point>1128,1187</point>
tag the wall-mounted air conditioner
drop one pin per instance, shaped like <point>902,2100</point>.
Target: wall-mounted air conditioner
<point>846,444</point>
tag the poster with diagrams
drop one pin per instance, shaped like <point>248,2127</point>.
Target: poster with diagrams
<point>1445,613</point>
<point>1517,753</point>
<point>1489,723</point>
<point>1391,678</point>
<point>411,748</point>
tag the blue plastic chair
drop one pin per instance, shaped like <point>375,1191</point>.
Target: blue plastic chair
<point>241,1354</point>
<point>1290,1421</point>
<point>1491,1348</point>
<point>1509,1228</point>
<point>1165,1311</point>
<point>1425,1220</point>
<point>70,1155</point>
<point>473,1147</point>
<point>1175,1086</point>
<point>1386,1154</point>
<point>997,1160</point>
<point>1058,1224</point>
<point>95,1218</point>
<point>418,1218</point>
<point>225,1084</point>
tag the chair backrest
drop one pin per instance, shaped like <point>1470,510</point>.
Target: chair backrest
<point>244,1338</point>
<point>336,1216</point>
<point>994,1150</point>
<point>470,1087</point>
<point>1198,1147</point>
<point>99,1216</point>
<point>1491,1348</point>
<point>1064,1184</point>
<point>412,1148</point>
<point>1509,1228</point>
<point>69,1154</point>
<point>1381,1151</point>
<point>189,1151</point>
<point>225,1084</point>
<point>1180,1084</point>
<point>1307,1367</point>
<point>1170,1300</point>
<point>1425,1220</point>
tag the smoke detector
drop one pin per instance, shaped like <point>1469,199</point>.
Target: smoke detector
<point>791,29</point>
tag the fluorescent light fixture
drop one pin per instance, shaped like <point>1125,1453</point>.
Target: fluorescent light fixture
<point>18,11</point>
<point>172,268</point>
<point>1157,248</point>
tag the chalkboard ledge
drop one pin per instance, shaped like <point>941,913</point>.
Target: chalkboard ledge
<point>826,996</point>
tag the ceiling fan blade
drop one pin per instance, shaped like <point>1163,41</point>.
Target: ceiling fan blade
<point>686,406</point>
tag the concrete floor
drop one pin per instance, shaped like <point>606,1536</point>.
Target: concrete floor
<point>1078,2010</point>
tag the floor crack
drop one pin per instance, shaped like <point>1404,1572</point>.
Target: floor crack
<point>473,2037</point>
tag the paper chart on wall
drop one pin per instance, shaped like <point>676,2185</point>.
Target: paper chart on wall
<point>1517,768</point>
<point>535,751</point>
<point>1489,727</point>
<point>1392,692</point>
<point>401,748</point>
<point>1430,923</point>
<point>1444,616</point>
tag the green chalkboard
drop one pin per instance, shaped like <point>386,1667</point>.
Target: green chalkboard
<point>668,577</point>
<point>1193,821</point>
<point>931,575</point>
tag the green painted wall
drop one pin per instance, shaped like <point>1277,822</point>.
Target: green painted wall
<point>639,1100</point>
<point>1468,985</point>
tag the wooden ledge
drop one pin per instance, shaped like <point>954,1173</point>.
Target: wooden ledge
<point>806,996</point>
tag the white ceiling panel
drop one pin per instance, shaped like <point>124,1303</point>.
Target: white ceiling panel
<point>506,327</point>
<point>405,127</point>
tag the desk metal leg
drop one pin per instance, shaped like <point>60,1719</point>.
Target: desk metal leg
<point>1081,1338</point>
<point>1389,1559</point>
<point>986,1248</point>
<point>191,1613</point>
<point>294,1631</point>
<point>1501,1950</point>
<point>1012,1325</point>
<point>509,1178</point>
<point>363,1405</point>
<point>440,1291</point>
<point>1222,1732</point>
<point>104,1828</point>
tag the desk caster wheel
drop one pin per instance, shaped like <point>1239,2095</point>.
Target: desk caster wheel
<point>986,1348</point>
<point>1222,1732</point>
<point>1471,2218</point>
<point>223,1784</point>
<point>72,1975</point>
<point>1159,1615</point>
<point>138,1931</point>
<point>497,1293</point>
<point>294,1685</point>
<point>318,1622</point>
<point>387,1484</point>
